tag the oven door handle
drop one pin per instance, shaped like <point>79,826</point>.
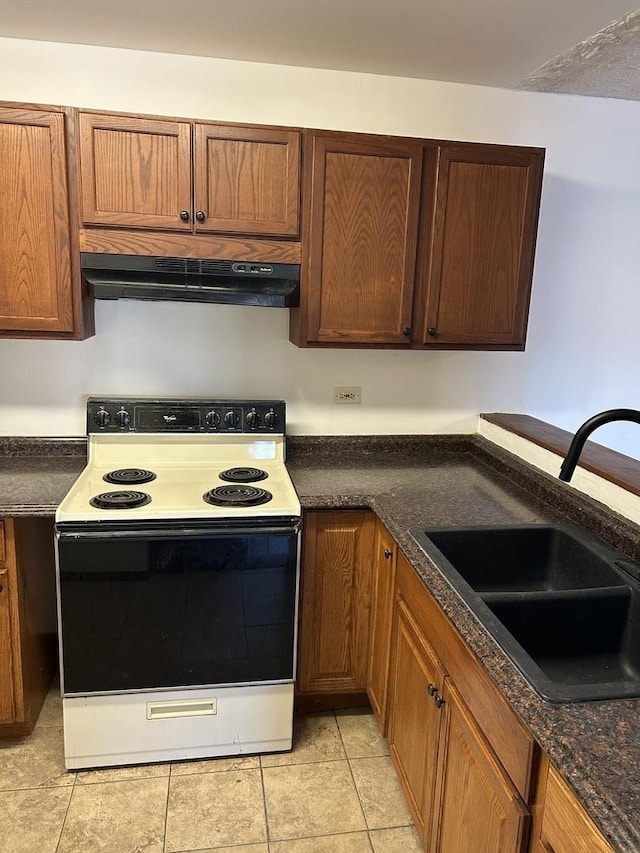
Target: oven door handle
<point>89,532</point>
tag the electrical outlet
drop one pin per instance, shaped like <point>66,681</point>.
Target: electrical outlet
<point>347,395</point>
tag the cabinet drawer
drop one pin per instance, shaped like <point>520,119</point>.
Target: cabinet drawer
<point>507,736</point>
<point>566,827</point>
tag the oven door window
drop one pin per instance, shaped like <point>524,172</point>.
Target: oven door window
<point>139,614</point>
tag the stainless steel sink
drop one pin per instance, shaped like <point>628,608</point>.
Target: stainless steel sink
<point>555,599</point>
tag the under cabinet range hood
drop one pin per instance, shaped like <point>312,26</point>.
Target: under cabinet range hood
<point>191,280</point>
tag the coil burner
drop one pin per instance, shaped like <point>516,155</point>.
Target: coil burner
<point>237,496</point>
<point>129,476</point>
<point>120,500</point>
<point>243,475</point>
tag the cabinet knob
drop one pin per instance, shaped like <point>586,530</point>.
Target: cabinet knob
<point>439,701</point>
<point>184,215</point>
<point>432,331</point>
<point>201,215</point>
<point>406,331</point>
<point>388,554</point>
<point>431,689</point>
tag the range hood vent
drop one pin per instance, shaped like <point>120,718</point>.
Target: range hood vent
<point>191,280</point>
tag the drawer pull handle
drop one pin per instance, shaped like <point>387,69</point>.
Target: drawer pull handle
<point>439,701</point>
<point>432,689</point>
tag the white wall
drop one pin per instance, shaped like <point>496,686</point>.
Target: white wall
<point>583,348</point>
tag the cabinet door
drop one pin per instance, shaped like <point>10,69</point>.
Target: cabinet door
<point>336,580</point>
<point>135,172</point>
<point>566,827</point>
<point>35,284</point>
<point>247,180</point>
<point>478,809</point>
<point>414,719</point>
<point>478,278</point>
<point>382,590</point>
<point>7,677</point>
<point>365,198</point>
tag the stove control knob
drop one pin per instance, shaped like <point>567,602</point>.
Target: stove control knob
<point>270,419</point>
<point>252,420</point>
<point>212,419</point>
<point>231,419</point>
<point>102,418</point>
<point>123,418</point>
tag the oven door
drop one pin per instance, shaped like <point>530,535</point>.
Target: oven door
<point>163,606</point>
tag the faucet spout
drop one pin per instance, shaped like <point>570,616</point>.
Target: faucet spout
<point>582,434</point>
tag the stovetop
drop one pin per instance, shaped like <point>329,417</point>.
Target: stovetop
<point>166,460</point>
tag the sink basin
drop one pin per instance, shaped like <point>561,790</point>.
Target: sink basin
<point>535,557</point>
<point>554,599</point>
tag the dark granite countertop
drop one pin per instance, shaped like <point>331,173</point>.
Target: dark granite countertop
<point>453,480</point>
<point>35,474</point>
<point>433,480</point>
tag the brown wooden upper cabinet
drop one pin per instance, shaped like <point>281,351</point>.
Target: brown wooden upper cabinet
<point>476,263</point>
<point>186,176</point>
<point>364,200</point>
<point>39,286</point>
<point>415,243</point>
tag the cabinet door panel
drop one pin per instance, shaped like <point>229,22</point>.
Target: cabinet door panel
<point>35,265</point>
<point>566,827</point>
<point>414,719</point>
<point>364,216</point>
<point>382,589</point>
<point>7,690</point>
<point>483,243</point>
<point>334,624</point>
<point>135,172</point>
<point>247,180</point>
<point>7,660</point>
<point>479,809</point>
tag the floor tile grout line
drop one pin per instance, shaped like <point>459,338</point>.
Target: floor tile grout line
<point>344,746</point>
<point>66,813</point>
<point>166,808</point>
<point>264,807</point>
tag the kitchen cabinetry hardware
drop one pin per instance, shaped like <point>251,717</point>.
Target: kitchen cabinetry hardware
<point>439,701</point>
<point>432,689</point>
<point>388,553</point>
<point>201,216</point>
<point>432,331</point>
<point>184,215</point>
<point>406,332</point>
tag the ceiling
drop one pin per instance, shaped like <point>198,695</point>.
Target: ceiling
<point>504,43</point>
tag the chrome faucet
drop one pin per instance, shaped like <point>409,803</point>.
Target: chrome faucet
<point>571,460</point>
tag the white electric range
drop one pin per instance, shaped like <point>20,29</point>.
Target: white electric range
<point>178,565</point>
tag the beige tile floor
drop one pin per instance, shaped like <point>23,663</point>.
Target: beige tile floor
<point>336,792</point>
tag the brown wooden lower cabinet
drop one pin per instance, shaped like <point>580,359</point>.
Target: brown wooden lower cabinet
<point>466,763</point>
<point>415,723</point>
<point>562,825</point>
<point>477,809</point>
<point>463,800</point>
<point>334,603</point>
<point>27,621</point>
<point>383,576</point>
